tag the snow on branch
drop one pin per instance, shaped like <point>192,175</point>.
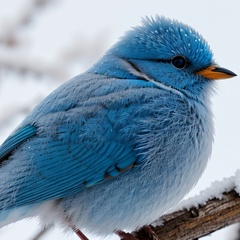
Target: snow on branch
<point>216,207</point>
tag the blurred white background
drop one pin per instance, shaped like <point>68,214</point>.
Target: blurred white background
<point>45,42</point>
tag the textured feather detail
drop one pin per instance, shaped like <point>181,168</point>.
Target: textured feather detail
<point>60,173</point>
<point>14,140</point>
<point>67,159</point>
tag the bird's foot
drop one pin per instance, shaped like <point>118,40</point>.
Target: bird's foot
<point>150,232</point>
<point>125,236</point>
<point>79,233</point>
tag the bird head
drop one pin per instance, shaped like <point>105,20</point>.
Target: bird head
<point>164,52</point>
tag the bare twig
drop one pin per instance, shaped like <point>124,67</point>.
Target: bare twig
<point>26,15</point>
<point>24,64</point>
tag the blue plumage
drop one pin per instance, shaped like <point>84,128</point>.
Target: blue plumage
<point>16,139</point>
<point>117,146</point>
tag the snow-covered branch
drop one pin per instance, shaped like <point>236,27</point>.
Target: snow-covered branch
<point>216,207</point>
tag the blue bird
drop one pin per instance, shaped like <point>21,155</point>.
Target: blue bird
<point>117,146</point>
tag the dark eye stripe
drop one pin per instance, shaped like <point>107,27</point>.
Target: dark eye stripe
<point>179,61</point>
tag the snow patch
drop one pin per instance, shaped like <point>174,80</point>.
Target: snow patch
<point>216,190</point>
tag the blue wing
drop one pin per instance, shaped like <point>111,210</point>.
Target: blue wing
<point>80,135</point>
<point>15,140</point>
<point>62,161</point>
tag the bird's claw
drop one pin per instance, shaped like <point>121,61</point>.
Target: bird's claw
<point>125,236</point>
<point>150,232</point>
<point>147,230</point>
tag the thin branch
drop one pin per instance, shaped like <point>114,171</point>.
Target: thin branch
<point>198,222</point>
<point>24,64</point>
<point>8,34</point>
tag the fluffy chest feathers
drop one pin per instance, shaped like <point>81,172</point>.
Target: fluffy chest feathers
<point>171,135</point>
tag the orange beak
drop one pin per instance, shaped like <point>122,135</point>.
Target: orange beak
<point>215,73</point>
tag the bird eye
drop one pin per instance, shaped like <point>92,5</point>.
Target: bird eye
<point>179,62</point>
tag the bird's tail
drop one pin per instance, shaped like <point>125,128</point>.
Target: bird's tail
<point>13,215</point>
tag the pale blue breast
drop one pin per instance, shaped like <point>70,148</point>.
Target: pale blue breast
<point>165,134</point>
<point>173,140</point>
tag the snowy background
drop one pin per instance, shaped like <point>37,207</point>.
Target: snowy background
<point>45,42</point>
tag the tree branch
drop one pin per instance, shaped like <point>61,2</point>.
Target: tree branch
<point>8,35</point>
<point>198,222</point>
<point>24,64</point>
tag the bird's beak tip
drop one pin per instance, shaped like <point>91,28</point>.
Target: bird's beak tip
<point>216,73</point>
